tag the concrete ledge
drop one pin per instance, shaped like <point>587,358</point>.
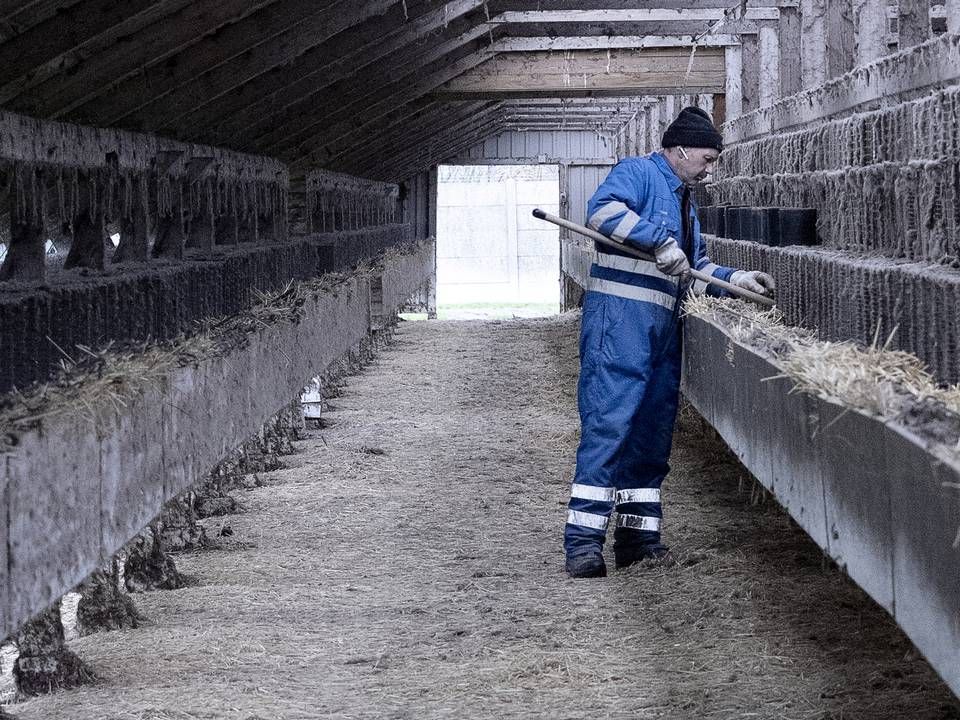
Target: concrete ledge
<point>928,65</point>
<point>870,493</point>
<point>80,484</point>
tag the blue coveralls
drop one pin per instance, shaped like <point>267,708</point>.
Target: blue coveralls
<point>630,345</point>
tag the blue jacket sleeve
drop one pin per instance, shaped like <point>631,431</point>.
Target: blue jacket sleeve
<point>613,209</point>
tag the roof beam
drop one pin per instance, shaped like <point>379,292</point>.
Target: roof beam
<point>386,90</point>
<point>590,73</point>
<point>405,121</point>
<point>374,134</point>
<point>405,164</point>
<point>461,127</point>
<point>17,15</point>
<point>709,15</point>
<point>419,132</point>
<point>609,42</point>
<point>70,27</point>
<point>340,58</point>
<point>598,29</point>
<point>289,20</point>
<point>86,76</point>
<point>316,148</point>
<point>419,125</point>
<point>281,127</point>
<point>498,6</point>
<point>444,147</point>
<point>275,51</point>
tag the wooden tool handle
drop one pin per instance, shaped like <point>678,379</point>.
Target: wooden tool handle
<point>623,247</point>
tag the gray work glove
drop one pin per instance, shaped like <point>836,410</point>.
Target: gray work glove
<point>671,260</point>
<point>754,280</point>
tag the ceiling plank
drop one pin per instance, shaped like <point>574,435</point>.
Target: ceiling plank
<point>709,15</point>
<point>404,119</point>
<point>697,28</point>
<point>341,58</point>
<point>416,132</point>
<point>228,42</point>
<point>16,16</point>
<point>105,71</point>
<point>585,73</point>
<point>21,91</point>
<point>312,149</point>
<point>498,6</point>
<point>444,147</point>
<point>69,28</point>
<point>609,42</point>
<point>393,84</point>
<point>275,50</point>
<point>373,134</point>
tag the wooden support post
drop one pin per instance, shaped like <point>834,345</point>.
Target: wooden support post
<point>433,182</point>
<point>870,19</point>
<point>790,42</point>
<point>135,226</point>
<point>840,37</point>
<point>87,248</point>
<point>914,22</point>
<point>247,224</point>
<point>719,110</point>
<point>750,82</point>
<point>653,127</point>
<point>769,68</point>
<point>171,238</point>
<point>642,133</point>
<point>670,110</point>
<point>201,228</point>
<point>813,43</point>
<point>226,227</point>
<point>26,251</point>
<point>266,226</point>
<point>226,232</point>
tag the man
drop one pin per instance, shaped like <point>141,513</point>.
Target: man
<point>630,343</point>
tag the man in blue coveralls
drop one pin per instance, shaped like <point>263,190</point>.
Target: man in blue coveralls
<point>630,343</point>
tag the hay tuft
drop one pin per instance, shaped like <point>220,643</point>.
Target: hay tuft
<point>889,384</point>
<point>92,382</point>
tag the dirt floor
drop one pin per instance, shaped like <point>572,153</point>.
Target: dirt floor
<point>408,564</point>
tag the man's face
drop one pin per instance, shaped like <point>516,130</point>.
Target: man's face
<point>693,165</point>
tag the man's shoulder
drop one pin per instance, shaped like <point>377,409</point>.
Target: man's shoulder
<point>639,163</point>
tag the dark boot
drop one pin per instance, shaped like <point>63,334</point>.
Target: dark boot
<point>630,546</point>
<point>587,565</point>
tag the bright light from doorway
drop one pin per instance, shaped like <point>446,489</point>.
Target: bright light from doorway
<point>494,259</point>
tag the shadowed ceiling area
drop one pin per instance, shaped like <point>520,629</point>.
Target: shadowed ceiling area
<point>379,88</point>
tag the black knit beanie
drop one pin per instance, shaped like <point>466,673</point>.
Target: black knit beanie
<point>693,128</point>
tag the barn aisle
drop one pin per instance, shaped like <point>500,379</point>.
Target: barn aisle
<point>408,564</point>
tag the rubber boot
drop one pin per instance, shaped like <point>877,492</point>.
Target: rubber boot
<point>629,547</point>
<point>587,565</point>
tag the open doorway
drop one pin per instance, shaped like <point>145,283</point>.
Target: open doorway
<point>494,259</point>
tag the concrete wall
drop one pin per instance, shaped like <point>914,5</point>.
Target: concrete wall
<point>874,495</point>
<point>79,482</point>
<point>489,246</point>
